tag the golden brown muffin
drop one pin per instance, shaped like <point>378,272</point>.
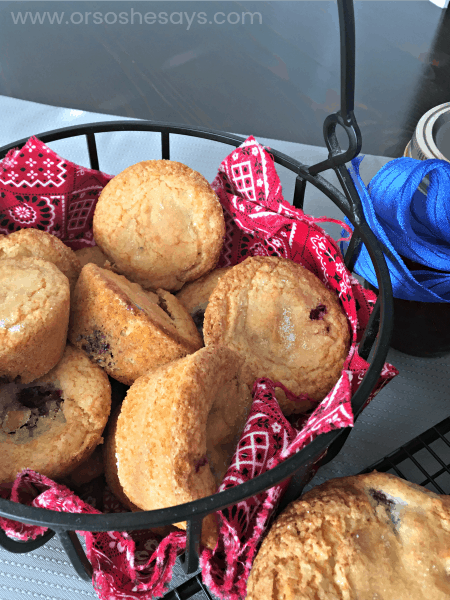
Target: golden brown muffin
<point>125,329</point>
<point>368,537</point>
<point>91,255</point>
<point>160,224</point>
<point>195,295</point>
<point>178,430</point>
<point>112,479</point>
<point>56,422</point>
<point>285,324</point>
<point>34,315</point>
<point>40,244</point>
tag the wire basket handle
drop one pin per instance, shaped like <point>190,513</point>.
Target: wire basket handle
<point>344,117</point>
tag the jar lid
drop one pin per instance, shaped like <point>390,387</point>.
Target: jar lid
<point>431,138</point>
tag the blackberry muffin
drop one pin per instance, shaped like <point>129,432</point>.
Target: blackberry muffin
<point>40,244</point>
<point>364,537</point>
<point>125,329</point>
<point>54,423</point>
<point>34,315</point>
<point>178,430</point>
<point>160,224</point>
<point>285,325</point>
<point>194,296</point>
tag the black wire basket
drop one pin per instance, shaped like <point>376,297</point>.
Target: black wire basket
<point>373,346</point>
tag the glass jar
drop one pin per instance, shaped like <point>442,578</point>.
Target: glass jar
<point>420,328</point>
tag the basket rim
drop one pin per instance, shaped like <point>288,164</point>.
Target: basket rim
<point>165,128</point>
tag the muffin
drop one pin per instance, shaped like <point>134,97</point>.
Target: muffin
<point>368,536</point>
<point>125,329</point>
<point>284,323</point>
<point>34,315</point>
<point>91,255</point>
<point>40,244</point>
<point>194,296</point>
<point>110,462</point>
<point>160,224</point>
<point>54,423</point>
<point>112,479</point>
<point>178,430</point>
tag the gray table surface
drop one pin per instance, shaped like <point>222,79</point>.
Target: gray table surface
<point>275,71</point>
<point>414,401</point>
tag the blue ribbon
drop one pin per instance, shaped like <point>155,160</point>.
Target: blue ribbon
<point>409,223</point>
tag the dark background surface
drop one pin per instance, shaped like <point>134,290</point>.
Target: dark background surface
<point>278,79</point>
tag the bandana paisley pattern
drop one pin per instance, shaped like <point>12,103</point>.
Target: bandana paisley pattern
<point>40,189</point>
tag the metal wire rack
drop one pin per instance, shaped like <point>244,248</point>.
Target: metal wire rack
<point>425,460</point>
<point>373,346</point>
<point>189,588</point>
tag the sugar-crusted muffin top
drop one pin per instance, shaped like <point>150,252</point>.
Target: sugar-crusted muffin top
<point>283,321</point>
<point>30,289</point>
<point>160,223</point>
<point>368,536</point>
<point>40,244</point>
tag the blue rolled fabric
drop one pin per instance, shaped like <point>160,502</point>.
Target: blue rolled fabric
<point>409,223</point>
